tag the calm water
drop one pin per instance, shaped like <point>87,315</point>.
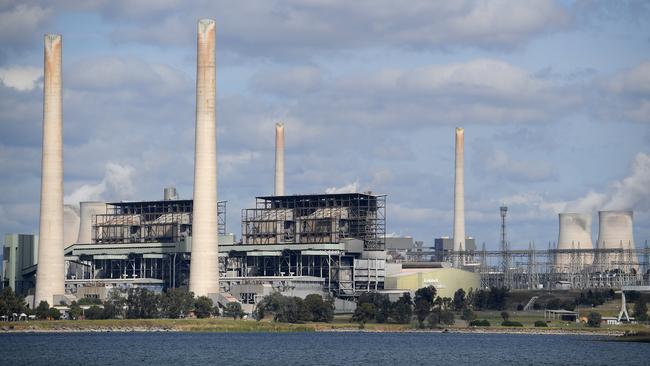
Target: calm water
<point>314,349</point>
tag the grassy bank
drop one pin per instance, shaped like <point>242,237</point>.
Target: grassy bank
<point>182,325</point>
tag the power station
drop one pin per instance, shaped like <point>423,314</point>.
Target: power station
<point>296,244</point>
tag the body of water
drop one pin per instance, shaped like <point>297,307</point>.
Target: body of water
<point>343,348</point>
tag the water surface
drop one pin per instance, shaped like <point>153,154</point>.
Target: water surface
<point>345,348</point>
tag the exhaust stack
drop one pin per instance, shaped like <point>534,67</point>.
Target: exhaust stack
<point>279,159</point>
<point>50,274</point>
<point>459,196</point>
<point>204,265</point>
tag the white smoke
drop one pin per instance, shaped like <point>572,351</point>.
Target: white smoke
<point>348,188</point>
<point>117,184</point>
<point>632,192</point>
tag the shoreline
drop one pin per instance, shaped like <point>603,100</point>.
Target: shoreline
<point>229,326</point>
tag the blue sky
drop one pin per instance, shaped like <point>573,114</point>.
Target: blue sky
<point>554,97</point>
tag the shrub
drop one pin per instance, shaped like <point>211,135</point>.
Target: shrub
<point>593,319</point>
<point>510,323</point>
<point>540,323</point>
<point>94,313</point>
<point>479,323</point>
<point>55,314</point>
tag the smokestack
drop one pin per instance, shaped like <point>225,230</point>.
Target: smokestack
<point>574,233</point>
<point>88,210</point>
<point>50,273</point>
<point>279,159</point>
<point>459,195</point>
<point>204,265</point>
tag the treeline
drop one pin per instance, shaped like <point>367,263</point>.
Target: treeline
<point>140,303</point>
<point>291,309</point>
<point>137,303</point>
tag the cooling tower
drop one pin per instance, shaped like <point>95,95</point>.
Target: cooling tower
<point>87,211</point>
<point>279,159</point>
<point>204,265</point>
<point>50,274</point>
<point>459,195</point>
<point>574,233</point>
<point>70,224</point>
<point>615,231</point>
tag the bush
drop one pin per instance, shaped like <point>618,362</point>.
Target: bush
<point>94,313</point>
<point>233,309</point>
<point>203,307</point>
<point>479,323</point>
<point>593,319</point>
<point>510,323</point>
<point>505,315</point>
<point>55,314</point>
<point>43,310</point>
<point>540,323</point>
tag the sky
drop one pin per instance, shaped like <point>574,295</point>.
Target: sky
<point>554,97</point>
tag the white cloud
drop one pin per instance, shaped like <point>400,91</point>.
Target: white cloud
<point>499,162</point>
<point>20,77</point>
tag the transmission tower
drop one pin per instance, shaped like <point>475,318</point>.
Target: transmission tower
<point>505,250</point>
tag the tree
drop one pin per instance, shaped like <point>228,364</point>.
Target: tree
<point>203,307</point>
<point>641,309</point>
<point>43,310</point>
<point>402,310</point>
<point>10,303</point>
<point>54,313</point>
<point>468,315</point>
<point>114,305</point>
<point>505,315</point>
<point>233,309</point>
<point>380,302</point>
<point>422,311</point>
<point>497,298</point>
<point>459,300</point>
<point>319,310</point>
<point>75,311</point>
<point>94,313</point>
<point>176,302</point>
<point>426,293</point>
<point>142,304</point>
<point>363,313</point>
<point>593,319</point>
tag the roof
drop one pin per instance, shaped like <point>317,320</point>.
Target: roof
<point>322,196</point>
<point>562,311</point>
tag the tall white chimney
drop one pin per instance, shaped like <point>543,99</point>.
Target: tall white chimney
<point>459,196</point>
<point>279,159</point>
<point>204,265</point>
<point>50,276</point>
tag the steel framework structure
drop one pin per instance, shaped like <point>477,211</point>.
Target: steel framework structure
<point>149,222</point>
<point>316,219</point>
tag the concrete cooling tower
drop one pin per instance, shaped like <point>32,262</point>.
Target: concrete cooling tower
<point>70,224</point>
<point>575,233</point>
<point>616,232</point>
<point>87,210</point>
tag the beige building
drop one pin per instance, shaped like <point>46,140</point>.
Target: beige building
<point>445,280</point>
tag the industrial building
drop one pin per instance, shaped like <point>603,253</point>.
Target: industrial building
<point>19,259</point>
